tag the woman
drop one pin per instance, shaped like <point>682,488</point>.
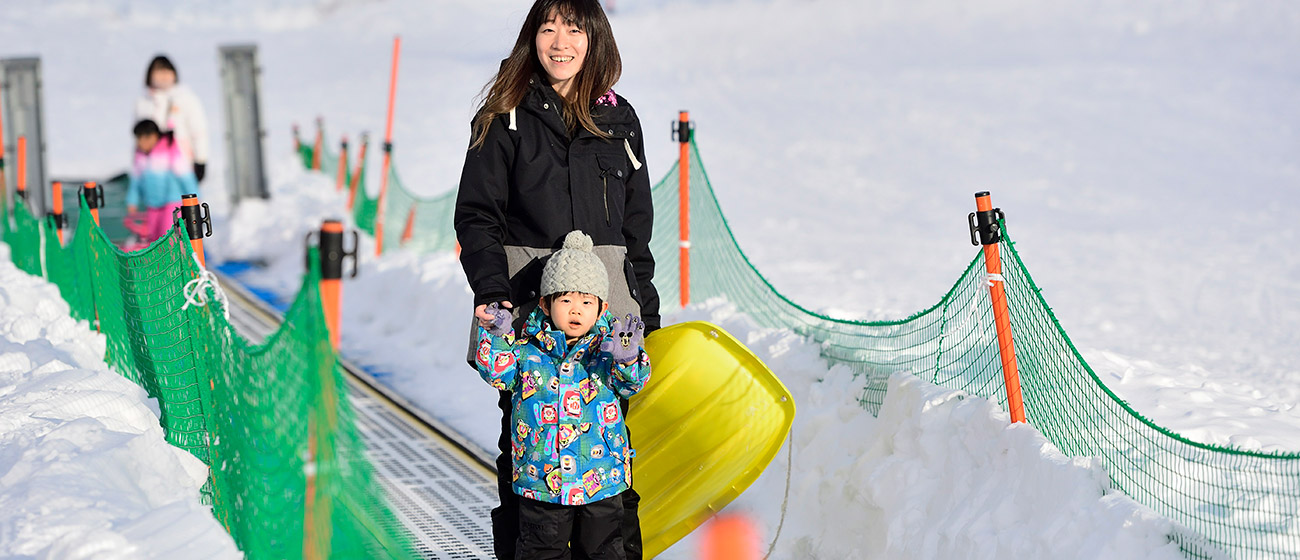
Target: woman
<point>553,149</point>
<point>175,108</point>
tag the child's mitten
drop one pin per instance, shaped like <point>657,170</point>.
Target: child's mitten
<point>625,339</point>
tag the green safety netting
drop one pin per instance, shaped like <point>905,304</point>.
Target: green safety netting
<point>410,221</point>
<point>288,476</point>
<point>1225,501</point>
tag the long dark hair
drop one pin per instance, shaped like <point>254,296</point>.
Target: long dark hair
<point>600,69</point>
<point>160,62</point>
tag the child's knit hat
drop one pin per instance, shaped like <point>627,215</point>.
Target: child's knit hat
<point>574,268</point>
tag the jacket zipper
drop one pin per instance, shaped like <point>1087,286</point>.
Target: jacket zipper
<point>604,180</point>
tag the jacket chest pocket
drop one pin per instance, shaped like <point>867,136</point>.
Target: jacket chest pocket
<point>613,171</point>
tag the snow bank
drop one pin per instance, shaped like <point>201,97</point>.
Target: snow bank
<point>84,469</point>
<point>938,474</point>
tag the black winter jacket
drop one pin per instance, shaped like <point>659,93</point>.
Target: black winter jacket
<point>531,184</point>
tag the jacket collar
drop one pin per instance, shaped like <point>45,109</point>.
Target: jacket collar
<point>538,327</point>
<point>542,100</point>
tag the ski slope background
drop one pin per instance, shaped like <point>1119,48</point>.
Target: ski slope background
<point>1145,154</point>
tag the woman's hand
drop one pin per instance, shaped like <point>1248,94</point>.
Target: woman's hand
<point>485,317</point>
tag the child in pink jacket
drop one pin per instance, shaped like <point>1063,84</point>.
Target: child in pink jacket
<point>160,175</point>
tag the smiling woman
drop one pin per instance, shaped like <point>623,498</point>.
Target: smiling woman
<point>553,149</point>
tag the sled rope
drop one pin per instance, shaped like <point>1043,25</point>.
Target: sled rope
<point>785,500</point>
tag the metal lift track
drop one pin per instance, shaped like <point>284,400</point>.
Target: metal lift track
<point>441,486</point>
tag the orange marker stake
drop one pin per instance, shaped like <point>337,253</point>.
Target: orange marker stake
<point>730,537</point>
<point>343,165</point>
<point>20,174</point>
<point>195,216</point>
<point>56,191</point>
<point>388,151</point>
<point>94,199</point>
<point>985,222</point>
<point>684,206</point>
<point>356,176</point>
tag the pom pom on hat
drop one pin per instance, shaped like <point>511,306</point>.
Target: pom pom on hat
<point>575,268</point>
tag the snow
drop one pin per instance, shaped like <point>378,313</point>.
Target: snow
<point>1143,152</point>
<point>84,469</point>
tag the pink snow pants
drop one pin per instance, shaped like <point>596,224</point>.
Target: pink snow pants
<point>158,220</point>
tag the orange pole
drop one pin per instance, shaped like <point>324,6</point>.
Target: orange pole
<point>316,148</point>
<point>730,537</point>
<point>331,288</point>
<point>356,175</point>
<point>190,203</point>
<point>343,165</point>
<point>388,151</point>
<point>56,192</point>
<point>684,208</point>
<point>1002,318</point>
<point>409,230</point>
<point>92,193</point>
<point>20,174</point>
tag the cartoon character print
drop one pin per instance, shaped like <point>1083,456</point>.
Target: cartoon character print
<point>517,450</point>
<point>573,404</point>
<point>591,482</point>
<point>529,384</point>
<point>575,497</point>
<point>568,434</point>
<point>589,388</point>
<point>577,354</point>
<point>585,427</point>
<point>609,413</point>
<point>568,465</point>
<point>532,471</point>
<point>566,369</point>
<point>548,342</point>
<point>554,385</point>
<point>598,452</point>
<point>484,351</point>
<point>515,475</point>
<point>615,475</point>
<point>553,479</point>
<point>546,413</point>
<point>550,449</point>
<point>504,362</point>
<point>530,494</point>
<point>522,430</point>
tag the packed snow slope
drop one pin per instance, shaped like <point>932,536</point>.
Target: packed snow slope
<point>84,469</point>
<point>1143,151</point>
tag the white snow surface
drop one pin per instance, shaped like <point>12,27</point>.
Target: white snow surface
<point>84,469</point>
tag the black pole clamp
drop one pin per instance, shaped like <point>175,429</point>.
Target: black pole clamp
<point>94,195</point>
<point>388,147</point>
<point>985,226</point>
<point>332,253</point>
<point>198,222</point>
<point>681,130</point>
<point>57,220</point>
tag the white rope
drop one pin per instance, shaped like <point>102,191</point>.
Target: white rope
<point>195,293</point>
<point>636,164</point>
<point>994,278</point>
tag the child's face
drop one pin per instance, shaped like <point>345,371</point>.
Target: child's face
<point>575,313</point>
<point>146,142</point>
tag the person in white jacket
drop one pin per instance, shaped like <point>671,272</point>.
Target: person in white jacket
<point>175,107</point>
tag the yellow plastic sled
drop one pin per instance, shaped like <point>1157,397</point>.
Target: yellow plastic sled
<point>710,420</point>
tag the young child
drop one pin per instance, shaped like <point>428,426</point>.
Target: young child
<point>160,175</point>
<point>567,371</point>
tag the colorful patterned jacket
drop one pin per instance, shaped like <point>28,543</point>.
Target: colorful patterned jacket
<point>569,440</point>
